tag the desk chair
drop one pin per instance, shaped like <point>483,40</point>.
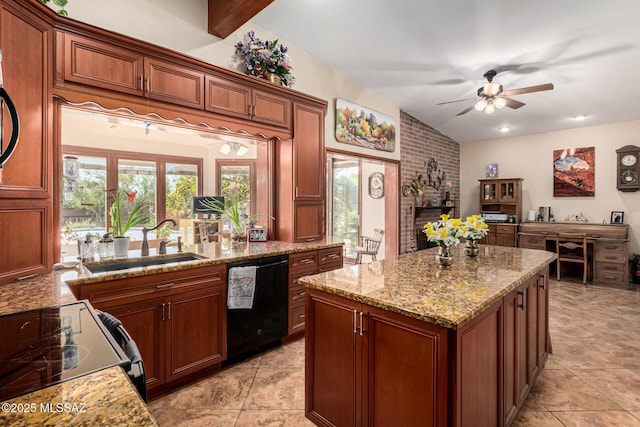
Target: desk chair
<point>369,245</point>
<point>572,247</point>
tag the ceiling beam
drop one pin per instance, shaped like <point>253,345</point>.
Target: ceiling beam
<point>226,16</point>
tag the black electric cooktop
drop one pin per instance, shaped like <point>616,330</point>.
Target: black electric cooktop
<point>51,345</point>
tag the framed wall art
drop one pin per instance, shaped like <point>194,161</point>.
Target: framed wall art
<point>358,125</point>
<point>491,170</point>
<point>574,172</point>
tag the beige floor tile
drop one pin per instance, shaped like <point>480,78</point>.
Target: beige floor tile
<point>561,390</point>
<point>286,356</point>
<point>620,385</point>
<point>528,418</point>
<point>273,418</point>
<point>597,419</point>
<point>172,417</point>
<point>275,388</point>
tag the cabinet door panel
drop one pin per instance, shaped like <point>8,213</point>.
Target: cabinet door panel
<point>227,97</point>
<point>102,65</point>
<point>543,317</point>
<point>143,321</point>
<point>271,109</point>
<point>26,246</point>
<point>533,358</point>
<point>196,331</point>
<point>332,383</point>
<point>308,221</point>
<point>171,83</point>
<point>26,78</point>
<point>510,352</point>
<point>412,363</point>
<point>308,146</point>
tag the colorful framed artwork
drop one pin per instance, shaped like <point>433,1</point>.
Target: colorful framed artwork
<point>257,234</point>
<point>358,125</point>
<point>574,172</point>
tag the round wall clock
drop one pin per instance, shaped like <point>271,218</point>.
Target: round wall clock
<point>376,185</point>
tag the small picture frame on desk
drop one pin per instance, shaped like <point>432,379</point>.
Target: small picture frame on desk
<point>617,217</point>
<point>257,234</point>
<point>449,203</point>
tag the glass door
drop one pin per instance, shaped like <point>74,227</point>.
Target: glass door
<point>345,206</point>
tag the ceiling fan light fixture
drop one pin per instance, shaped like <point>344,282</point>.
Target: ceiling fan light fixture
<point>490,108</point>
<point>499,102</point>
<point>225,149</point>
<point>492,89</point>
<point>480,105</point>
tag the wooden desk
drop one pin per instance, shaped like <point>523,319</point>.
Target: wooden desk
<point>609,258</point>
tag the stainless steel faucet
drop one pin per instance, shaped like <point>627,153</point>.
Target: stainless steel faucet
<point>144,251</point>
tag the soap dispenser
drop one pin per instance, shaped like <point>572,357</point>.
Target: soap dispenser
<point>87,249</point>
<point>106,248</point>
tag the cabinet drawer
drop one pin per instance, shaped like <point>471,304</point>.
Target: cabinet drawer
<point>303,260</point>
<point>612,247</point>
<point>296,290</point>
<point>328,267</point>
<point>135,289</point>
<point>506,229</point>
<point>330,256</point>
<point>609,275</point>
<point>296,317</point>
<point>532,241</point>
<point>613,257</point>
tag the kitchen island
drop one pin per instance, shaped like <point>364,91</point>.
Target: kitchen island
<point>406,342</point>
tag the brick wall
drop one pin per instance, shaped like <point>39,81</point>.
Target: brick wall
<point>419,143</point>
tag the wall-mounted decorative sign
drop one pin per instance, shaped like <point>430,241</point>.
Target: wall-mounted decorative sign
<point>574,172</point>
<point>357,125</point>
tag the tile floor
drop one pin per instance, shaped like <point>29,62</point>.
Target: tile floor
<point>591,379</point>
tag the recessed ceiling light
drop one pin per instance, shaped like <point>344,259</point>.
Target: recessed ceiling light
<point>579,117</point>
<point>504,129</point>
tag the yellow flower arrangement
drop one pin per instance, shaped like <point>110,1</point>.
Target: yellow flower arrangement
<point>475,228</point>
<point>446,232</point>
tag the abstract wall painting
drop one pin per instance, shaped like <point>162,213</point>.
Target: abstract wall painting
<point>574,172</point>
<point>357,125</point>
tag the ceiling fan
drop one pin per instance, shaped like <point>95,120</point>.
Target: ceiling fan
<point>493,97</point>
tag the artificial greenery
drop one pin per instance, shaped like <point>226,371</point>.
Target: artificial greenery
<point>60,3</point>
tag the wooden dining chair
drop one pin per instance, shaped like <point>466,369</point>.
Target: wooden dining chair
<point>572,248</point>
<point>369,245</point>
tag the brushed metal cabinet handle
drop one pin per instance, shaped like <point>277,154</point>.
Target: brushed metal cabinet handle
<point>162,311</point>
<point>355,321</point>
<point>169,311</point>
<point>361,324</point>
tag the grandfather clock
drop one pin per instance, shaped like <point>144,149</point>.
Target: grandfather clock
<point>628,168</point>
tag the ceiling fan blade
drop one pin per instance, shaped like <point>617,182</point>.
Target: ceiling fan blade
<point>457,100</point>
<point>512,103</point>
<point>529,89</point>
<point>465,111</point>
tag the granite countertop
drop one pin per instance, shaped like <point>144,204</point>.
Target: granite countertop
<point>414,285</point>
<point>210,253</point>
<point>103,398</point>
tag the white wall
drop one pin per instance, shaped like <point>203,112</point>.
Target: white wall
<point>182,26</point>
<point>531,157</point>
<point>372,209</point>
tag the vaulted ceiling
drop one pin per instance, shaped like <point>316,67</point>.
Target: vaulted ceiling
<point>417,54</point>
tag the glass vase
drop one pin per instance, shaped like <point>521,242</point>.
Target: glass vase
<point>444,257</point>
<point>471,248</point>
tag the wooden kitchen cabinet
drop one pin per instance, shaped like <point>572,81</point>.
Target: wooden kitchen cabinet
<point>26,179</point>
<point>232,98</point>
<point>300,177</point>
<point>305,264</point>
<point>177,319</point>
<point>501,235</point>
<point>359,353</point>
<point>502,195</point>
<point>526,340</point>
<point>106,66</point>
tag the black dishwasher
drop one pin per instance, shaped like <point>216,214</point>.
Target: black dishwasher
<point>264,324</point>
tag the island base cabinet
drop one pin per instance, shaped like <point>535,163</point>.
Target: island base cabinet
<point>367,366</point>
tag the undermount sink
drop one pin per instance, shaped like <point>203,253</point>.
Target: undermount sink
<point>125,264</point>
